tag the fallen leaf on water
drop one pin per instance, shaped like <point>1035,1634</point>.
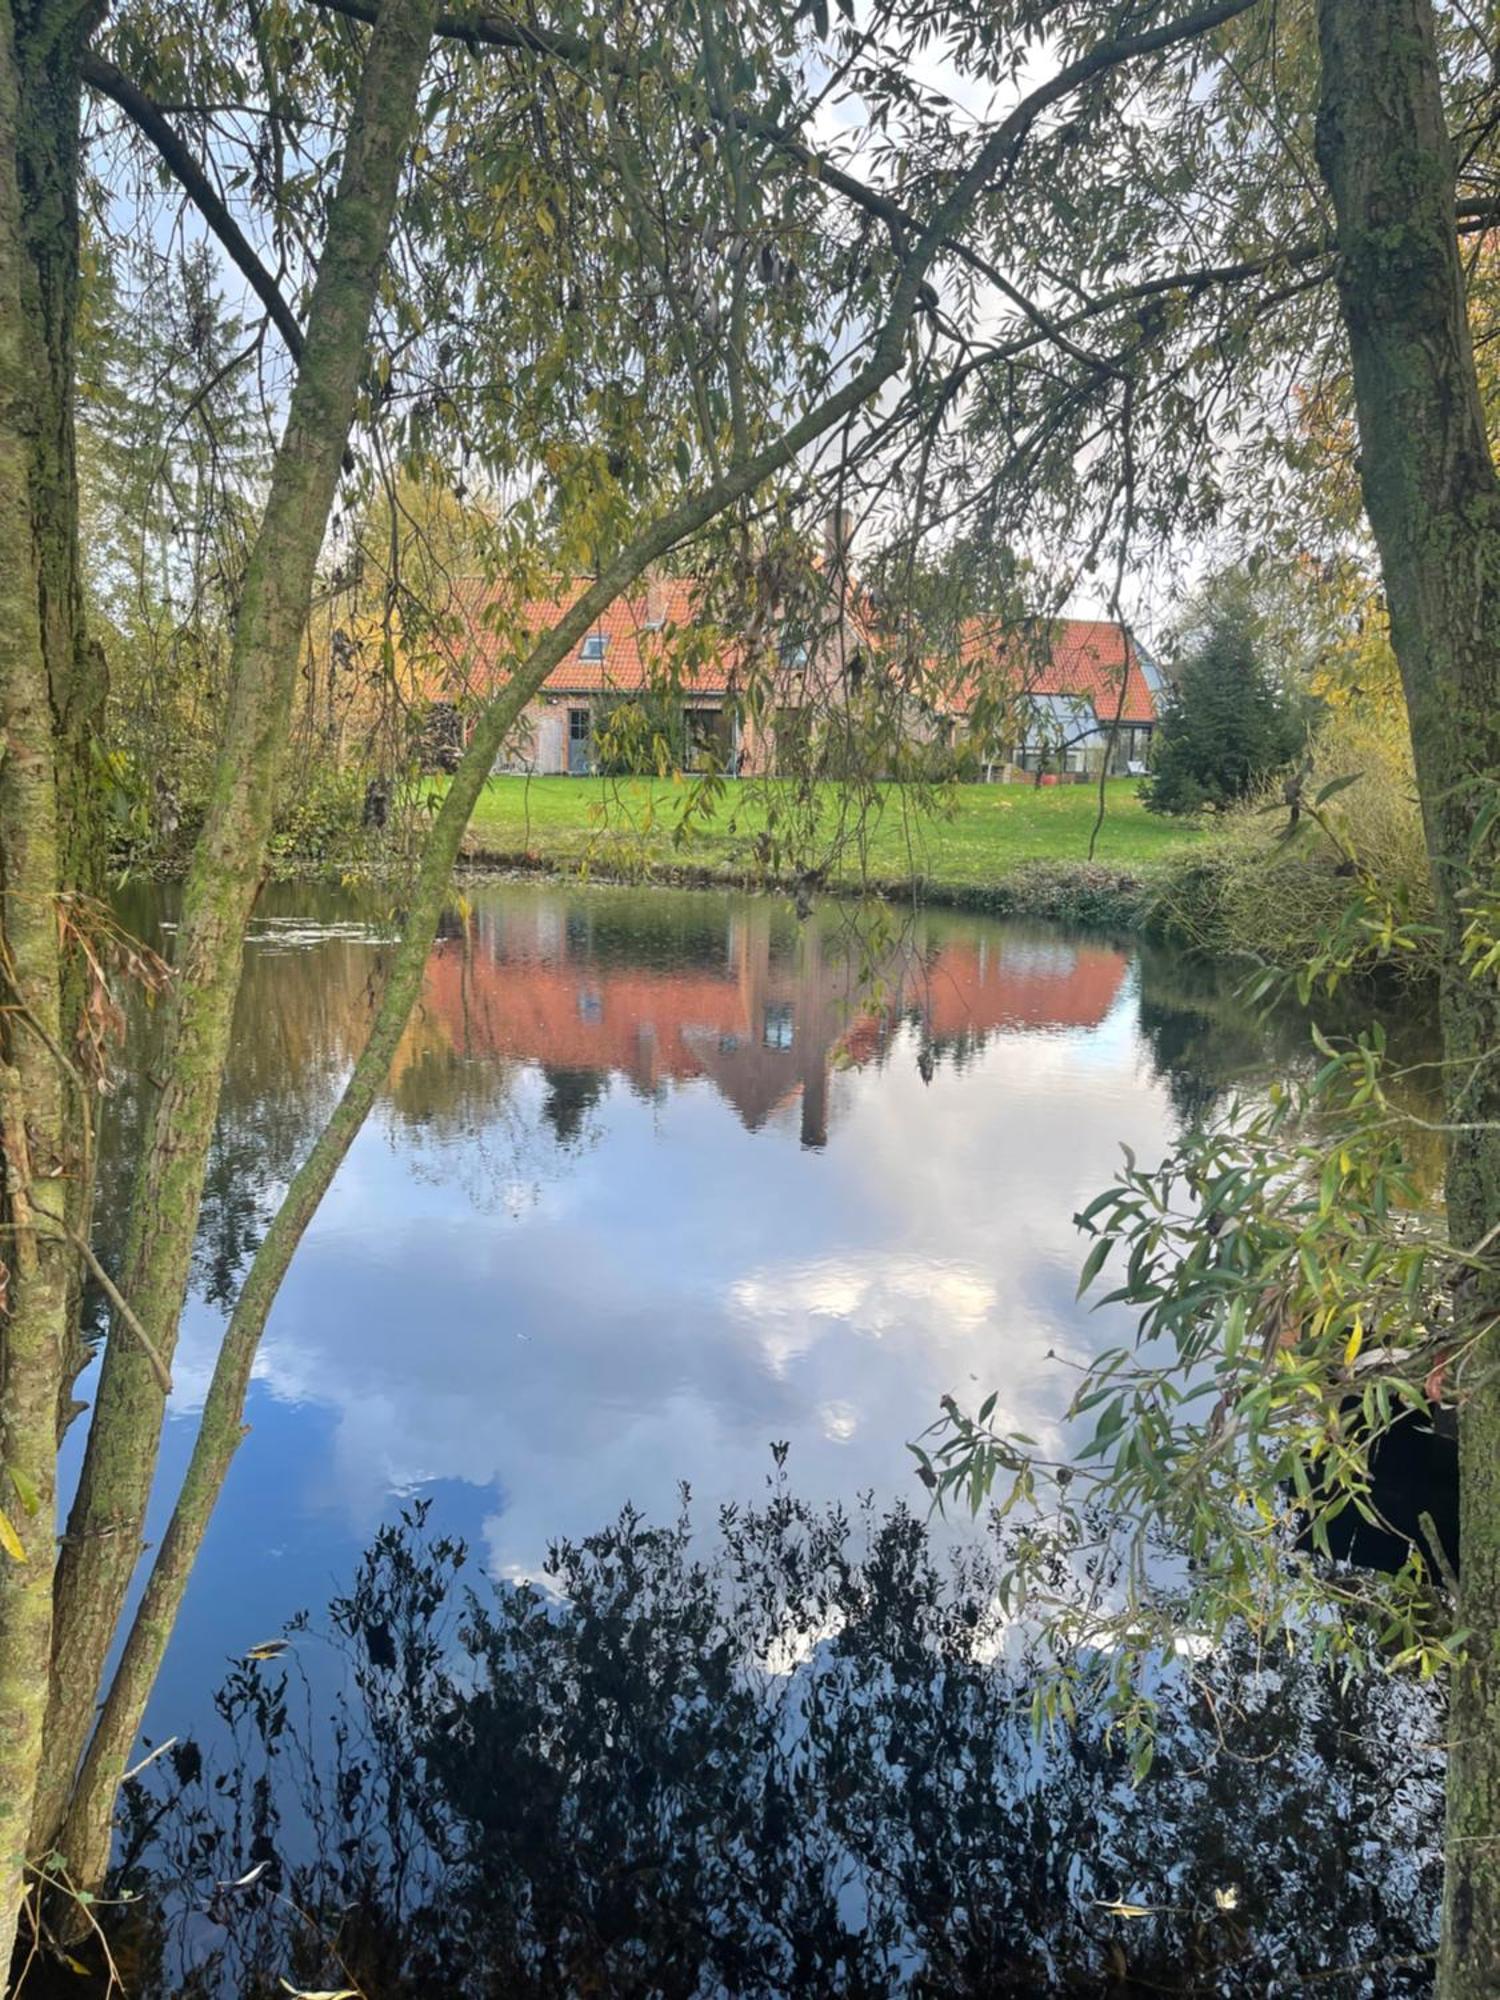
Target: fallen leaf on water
<point>321,1993</point>
<point>1125,1909</point>
<point>268,1649</point>
<point>251,1875</point>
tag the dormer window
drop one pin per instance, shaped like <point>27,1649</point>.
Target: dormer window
<point>792,651</point>
<point>593,647</point>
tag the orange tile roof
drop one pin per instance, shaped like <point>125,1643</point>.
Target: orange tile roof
<point>636,650</point>
<point>1083,658</point>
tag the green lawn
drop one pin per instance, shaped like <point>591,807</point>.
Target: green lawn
<point>980,834</point>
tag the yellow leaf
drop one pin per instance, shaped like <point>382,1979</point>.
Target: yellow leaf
<point>10,1541</point>
<point>1125,1909</point>
<point>1356,1342</point>
<point>321,1993</point>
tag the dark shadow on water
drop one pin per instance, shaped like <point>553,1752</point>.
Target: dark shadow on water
<point>793,1755</point>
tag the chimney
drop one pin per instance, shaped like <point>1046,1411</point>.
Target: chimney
<point>815,1105</point>
<point>655,615</point>
<point>838,534</point>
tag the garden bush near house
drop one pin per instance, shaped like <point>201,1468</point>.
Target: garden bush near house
<point>638,736</point>
<point>1265,887</point>
<point>322,818</point>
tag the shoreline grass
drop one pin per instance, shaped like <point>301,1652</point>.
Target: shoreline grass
<point>976,839</point>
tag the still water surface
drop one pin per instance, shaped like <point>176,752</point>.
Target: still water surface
<point>659,1178</point>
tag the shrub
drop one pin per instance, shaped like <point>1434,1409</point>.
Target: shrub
<point>321,816</point>
<point>1253,890</point>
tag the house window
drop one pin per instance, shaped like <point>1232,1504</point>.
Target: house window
<point>778,1027</point>
<point>593,647</point>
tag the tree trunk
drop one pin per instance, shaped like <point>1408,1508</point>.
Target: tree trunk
<point>49,48</point>
<point>51,699</point>
<point>103,1540</point>
<point>1433,501</point>
<point>50,45</point>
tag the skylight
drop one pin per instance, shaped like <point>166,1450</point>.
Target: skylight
<point>593,647</point>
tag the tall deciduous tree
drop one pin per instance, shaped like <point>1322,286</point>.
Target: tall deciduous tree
<point>593,242</point>
<point>1433,501</point>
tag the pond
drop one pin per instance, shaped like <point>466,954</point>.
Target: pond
<point>667,1189</point>
<point>659,1178</point>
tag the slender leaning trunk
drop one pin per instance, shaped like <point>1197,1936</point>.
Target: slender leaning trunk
<point>1433,501</point>
<point>103,1540</point>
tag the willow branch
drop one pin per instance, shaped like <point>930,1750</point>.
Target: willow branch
<point>112,1292</point>
<point>189,173</point>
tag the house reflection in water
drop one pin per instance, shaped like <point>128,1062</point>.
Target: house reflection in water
<point>737,992</point>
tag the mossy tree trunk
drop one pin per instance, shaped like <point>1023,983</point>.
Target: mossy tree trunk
<point>52,688</point>
<point>32,1083</point>
<point>103,1542</point>
<point>1433,500</point>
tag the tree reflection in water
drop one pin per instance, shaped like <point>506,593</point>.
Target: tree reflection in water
<point>792,1757</point>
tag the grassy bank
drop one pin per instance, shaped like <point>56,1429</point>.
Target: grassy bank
<point>995,846</point>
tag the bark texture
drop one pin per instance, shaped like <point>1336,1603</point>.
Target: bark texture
<point>103,1540</point>
<point>51,693</point>
<point>1433,500</point>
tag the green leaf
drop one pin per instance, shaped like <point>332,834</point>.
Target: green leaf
<point>26,1490</point>
<point>1336,785</point>
<point>1094,1263</point>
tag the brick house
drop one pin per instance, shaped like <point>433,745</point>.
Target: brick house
<point>1077,692</point>
<point>652,646</point>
